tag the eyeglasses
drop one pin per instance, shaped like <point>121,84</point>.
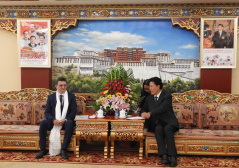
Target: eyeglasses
<point>62,85</point>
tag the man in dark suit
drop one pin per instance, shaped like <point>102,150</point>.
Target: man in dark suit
<point>41,40</point>
<point>158,109</point>
<point>32,43</point>
<point>220,37</point>
<point>52,120</point>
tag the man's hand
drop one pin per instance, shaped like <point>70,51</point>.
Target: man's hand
<point>59,122</point>
<point>145,115</point>
<point>62,121</point>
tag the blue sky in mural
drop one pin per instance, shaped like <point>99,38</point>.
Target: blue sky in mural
<point>153,35</point>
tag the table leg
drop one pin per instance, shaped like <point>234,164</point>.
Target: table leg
<point>141,150</point>
<point>112,145</point>
<point>77,145</point>
<point>105,137</point>
<point>106,148</point>
<point>141,146</point>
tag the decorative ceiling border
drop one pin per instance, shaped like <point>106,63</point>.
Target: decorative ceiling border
<point>122,11</point>
<point>165,5</point>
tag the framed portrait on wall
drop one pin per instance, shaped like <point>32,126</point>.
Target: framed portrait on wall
<point>34,43</point>
<point>218,42</point>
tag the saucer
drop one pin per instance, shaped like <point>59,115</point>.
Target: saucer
<point>122,117</point>
<point>101,117</point>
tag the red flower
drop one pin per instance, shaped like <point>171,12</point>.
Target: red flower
<point>121,91</point>
<point>116,91</point>
<point>118,88</point>
<point>114,88</point>
<point>111,92</point>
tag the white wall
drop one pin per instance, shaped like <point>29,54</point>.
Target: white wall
<point>235,73</point>
<point>10,72</point>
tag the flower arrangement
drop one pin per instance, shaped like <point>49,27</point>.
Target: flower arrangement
<point>118,93</point>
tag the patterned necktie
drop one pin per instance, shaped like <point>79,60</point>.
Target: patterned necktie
<point>156,98</point>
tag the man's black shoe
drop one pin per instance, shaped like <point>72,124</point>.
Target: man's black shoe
<point>41,154</point>
<point>165,159</point>
<point>64,154</point>
<point>173,161</point>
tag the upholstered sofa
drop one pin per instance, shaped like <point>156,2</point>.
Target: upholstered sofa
<point>20,115</point>
<point>209,124</point>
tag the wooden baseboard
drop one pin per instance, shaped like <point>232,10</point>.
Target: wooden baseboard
<point>197,147</point>
<point>27,142</point>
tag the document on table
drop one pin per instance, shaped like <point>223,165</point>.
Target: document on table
<point>135,118</point>
<point>82,117</point>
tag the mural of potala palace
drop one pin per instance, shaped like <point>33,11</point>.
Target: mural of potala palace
<point>144,65</point>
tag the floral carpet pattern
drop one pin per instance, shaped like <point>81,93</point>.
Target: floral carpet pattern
<point>122,158</point>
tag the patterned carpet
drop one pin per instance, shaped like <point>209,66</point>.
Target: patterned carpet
<point>121,158</point>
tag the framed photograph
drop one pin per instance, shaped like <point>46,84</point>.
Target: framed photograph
<point>34,43</point>
<point>218,42</point>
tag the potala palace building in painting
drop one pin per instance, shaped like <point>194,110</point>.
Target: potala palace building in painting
<point>143,65</point>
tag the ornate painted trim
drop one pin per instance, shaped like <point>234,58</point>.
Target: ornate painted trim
<point>188,23</point>
<point>205,96</point>
<point>122,11</point>
<point>61,24</point>
<point>28,94</point>
<point>4,14</point>
<point>9,24</point>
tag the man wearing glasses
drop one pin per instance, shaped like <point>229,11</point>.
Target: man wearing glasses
<point>60,113</point>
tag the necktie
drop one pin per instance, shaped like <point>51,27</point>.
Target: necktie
<point>156,98</point>
<point>61,96</point>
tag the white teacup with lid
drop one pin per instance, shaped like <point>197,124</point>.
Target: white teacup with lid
<point>123,114</point>
<point>100,113</point>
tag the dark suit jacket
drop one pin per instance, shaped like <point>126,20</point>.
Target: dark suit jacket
<point>51,105</point>
<point>32,46</point>
<point>162,110</point>
<point>218,41</point>
<point>40,44</point>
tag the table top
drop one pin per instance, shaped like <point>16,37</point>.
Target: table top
<point>111,119</point>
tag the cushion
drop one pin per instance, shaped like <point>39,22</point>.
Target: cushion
<point>81,107</point>
<point>16,112</point>
<point>19,129</point>
<point>220,116</point>
<point>207,134</point>
<point>201,134</point>
<point>23,129</point>
<point>187,115</point>
<point>39,111</point>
